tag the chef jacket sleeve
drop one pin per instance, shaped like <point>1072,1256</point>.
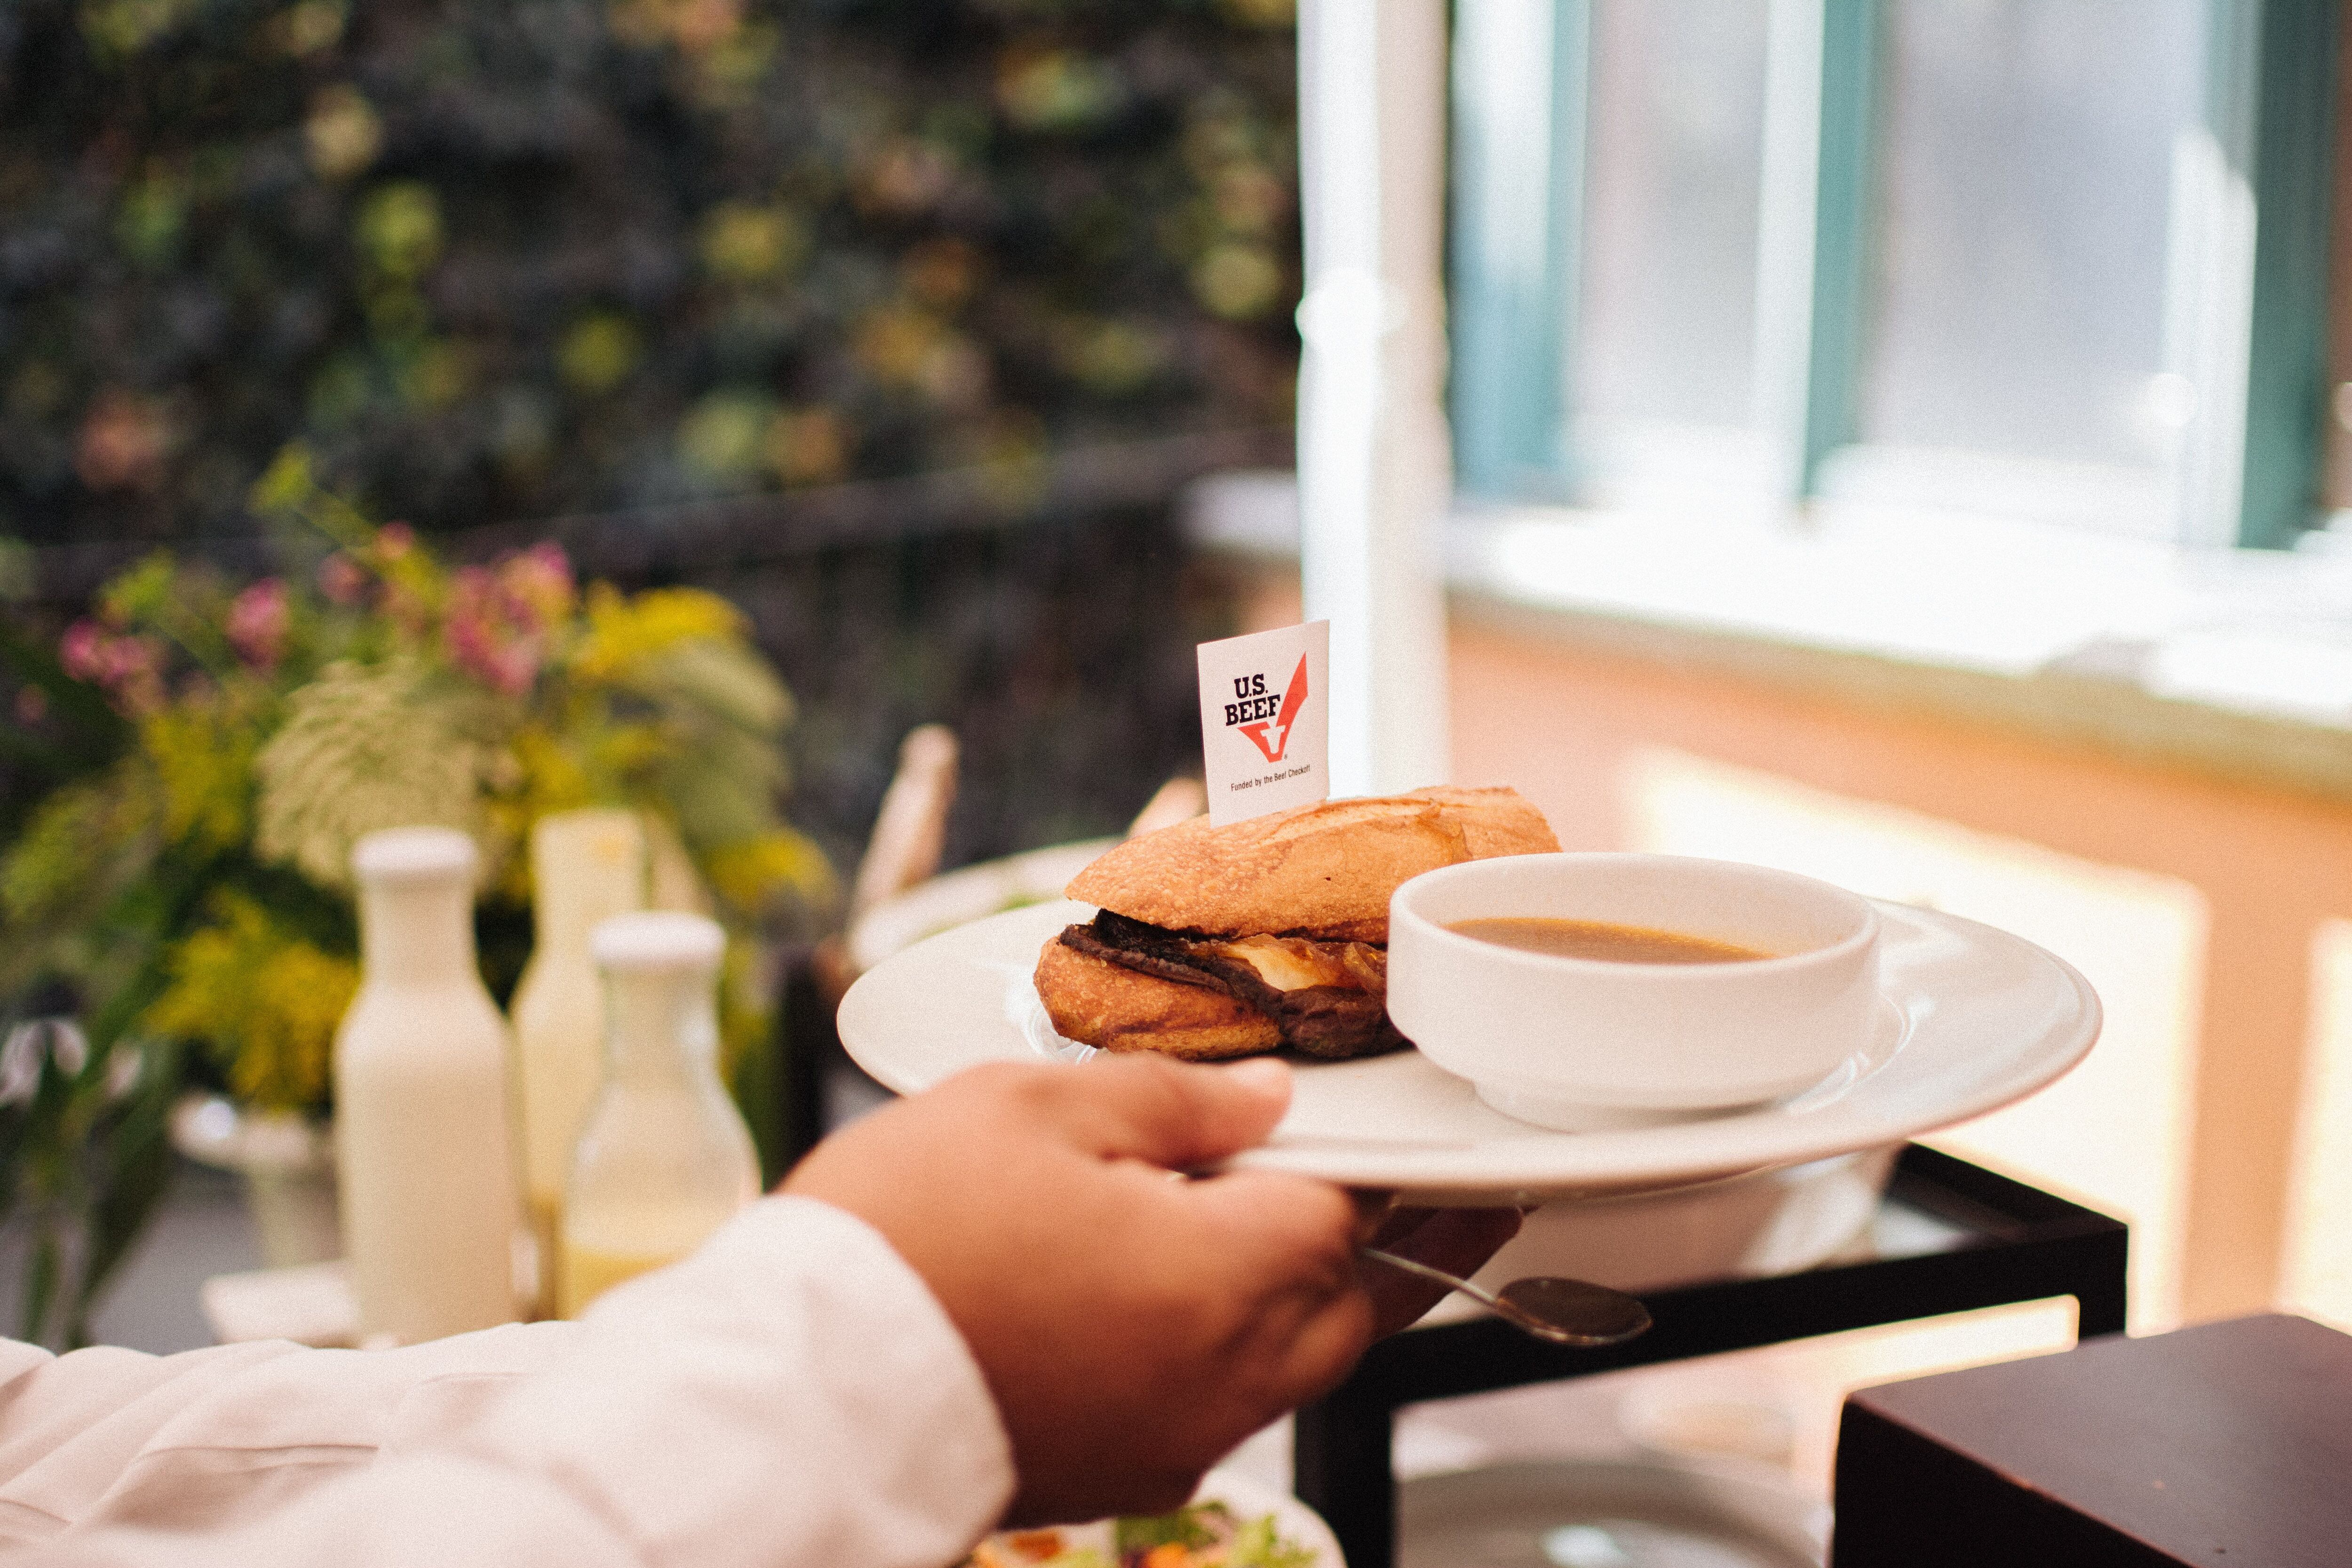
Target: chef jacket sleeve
<point>791,1397</point>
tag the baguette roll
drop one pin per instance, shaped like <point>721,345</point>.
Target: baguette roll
<point>1216,943</point>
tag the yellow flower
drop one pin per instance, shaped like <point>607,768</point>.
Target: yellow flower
<point>625,633</point>
<point>547,777</point>
<point>744,1019</point>
<point>207,769</point>
<point>552,778</point>
<point>749,874</point>
<point>264,999</point>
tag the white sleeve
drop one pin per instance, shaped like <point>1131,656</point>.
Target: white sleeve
<point>791,1397</point>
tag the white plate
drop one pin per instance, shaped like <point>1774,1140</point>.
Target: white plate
<point>953,897</point>
<point>1972,1018</point>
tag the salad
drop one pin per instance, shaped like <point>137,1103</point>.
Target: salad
<point>1198,1535</point>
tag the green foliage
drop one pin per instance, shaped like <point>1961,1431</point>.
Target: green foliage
<point>194,891</point>
<point>365,747</point>
<point>84,846</point>
<point>524,260</point>
<point>470,262</point>
<point>78,732</point>
<point>83,1159</point>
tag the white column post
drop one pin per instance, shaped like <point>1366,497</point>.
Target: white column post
<point>1375,466</point>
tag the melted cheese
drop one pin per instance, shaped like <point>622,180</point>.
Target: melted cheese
<point>1290,964</point>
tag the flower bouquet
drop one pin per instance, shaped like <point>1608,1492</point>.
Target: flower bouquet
<point>191,898</point>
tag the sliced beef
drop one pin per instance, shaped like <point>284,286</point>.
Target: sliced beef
<point>1327,997</point>
<point>1143,958</point>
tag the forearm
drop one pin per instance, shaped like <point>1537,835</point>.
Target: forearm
<point>791,1395</point>
<point>420,1510</point>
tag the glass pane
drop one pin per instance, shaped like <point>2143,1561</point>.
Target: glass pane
<point>1673,166</point>
<point>2024,180</point>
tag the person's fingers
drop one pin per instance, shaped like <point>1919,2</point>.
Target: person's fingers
<point>1138,1493</point>
<point>1325,1349</point>
<point>1376,1211</point>
<point>1171,1114</point>
<point>1392,1225</point>
<point>1296,1229</point>
<point>1459,1241</point>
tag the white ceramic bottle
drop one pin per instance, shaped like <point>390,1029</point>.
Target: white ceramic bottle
<point>586,867</point>
<point>423,1155</point>
<point>664,1158</point>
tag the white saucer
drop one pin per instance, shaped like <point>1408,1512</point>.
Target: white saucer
<point>1972,1020</point>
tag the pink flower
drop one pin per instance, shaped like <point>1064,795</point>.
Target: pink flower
<point>129,668</point>
<point>394,540</point>
<point>258,621</point>
<point>500,618</point>
<point>80,650</point>
<point>538,584</point>
<point>341,580</point>
<point>134,674</point>
<point>487,635</point>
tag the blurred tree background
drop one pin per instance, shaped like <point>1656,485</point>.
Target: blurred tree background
<point>694,286</point>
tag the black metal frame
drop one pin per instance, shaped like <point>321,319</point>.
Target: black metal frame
<point>809,1051</point>
<point>2022,1245</point>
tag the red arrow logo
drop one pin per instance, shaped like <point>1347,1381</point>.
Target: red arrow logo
<point>1294,698</point>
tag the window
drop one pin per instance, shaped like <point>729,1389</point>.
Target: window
<point>2058,259</point>
<point>1664,355</point>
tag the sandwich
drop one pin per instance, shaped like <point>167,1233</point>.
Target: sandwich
<point>1225,941</point>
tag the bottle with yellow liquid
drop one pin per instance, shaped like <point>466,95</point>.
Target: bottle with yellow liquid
<point>664,1158</point>
<point>585,868</point>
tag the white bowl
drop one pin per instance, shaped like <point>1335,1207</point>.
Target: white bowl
<point>1748,1227</point>
<point>1582,1044</point>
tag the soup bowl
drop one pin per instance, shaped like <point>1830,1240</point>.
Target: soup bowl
<point>1582,1044</point>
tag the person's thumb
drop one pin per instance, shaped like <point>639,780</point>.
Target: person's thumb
<point>1174,1114</point>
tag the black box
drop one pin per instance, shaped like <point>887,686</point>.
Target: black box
<point>2226,1446</point>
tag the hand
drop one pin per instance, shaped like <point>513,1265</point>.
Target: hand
<point>1459,1241</point>
<point>1133,1327</point>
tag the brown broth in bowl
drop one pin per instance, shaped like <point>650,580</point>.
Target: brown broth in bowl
<point>1600,939</point>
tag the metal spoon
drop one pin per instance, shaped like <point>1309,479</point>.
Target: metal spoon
<point>1565,1311</point>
